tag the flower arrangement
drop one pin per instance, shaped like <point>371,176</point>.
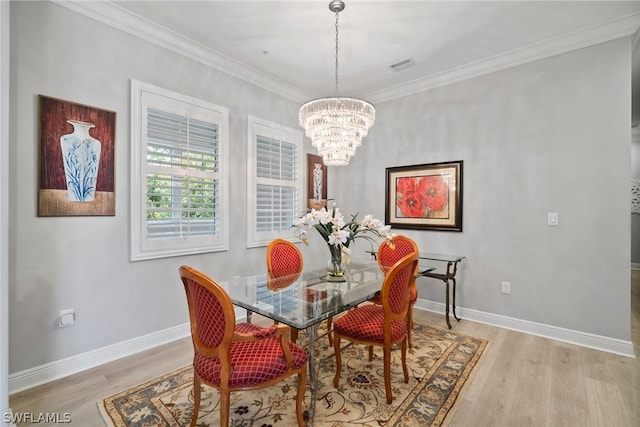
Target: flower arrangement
<point>338,233</point>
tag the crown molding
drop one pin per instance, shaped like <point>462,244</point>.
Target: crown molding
<point>117,17</point>
<point>605,32</point>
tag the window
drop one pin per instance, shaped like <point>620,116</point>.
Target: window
<point>274,181</point>
<point>179,174</point>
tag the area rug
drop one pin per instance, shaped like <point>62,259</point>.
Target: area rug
<point>440,362</point>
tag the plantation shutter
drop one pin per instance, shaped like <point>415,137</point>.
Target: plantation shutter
<point>182,182</point>
<point>179,174</point>
<point>276,185</point>
<point>274,180</point>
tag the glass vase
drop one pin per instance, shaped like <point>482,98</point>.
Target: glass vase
<point>335,269</point>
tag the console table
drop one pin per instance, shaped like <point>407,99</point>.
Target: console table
<point>449,274</point>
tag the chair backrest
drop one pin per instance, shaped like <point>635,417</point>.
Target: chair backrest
<point>396,287</point>
<point>211,312</point>
<point>283,258</point>
<point>391,252</point>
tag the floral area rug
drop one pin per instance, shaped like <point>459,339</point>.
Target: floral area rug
<point>439,364</point>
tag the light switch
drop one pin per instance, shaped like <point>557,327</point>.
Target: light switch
<point>552,218</point>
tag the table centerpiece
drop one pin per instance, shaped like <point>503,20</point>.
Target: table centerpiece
<point>338,234</point>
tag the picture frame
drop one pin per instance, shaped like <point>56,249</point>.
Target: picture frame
<point>427,196</point>
<point>76,159</point>
<point>316,182</point>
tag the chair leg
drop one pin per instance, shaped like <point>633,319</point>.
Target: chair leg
<point>410,326</point>
<point>387,373</point>
<point>196,399</point>
<point>336,350</point>
<point>405,370</point>
<point>224,408</point>
<point>370,353</point>
<point>329,333</point>
<point>302,382</point>
<point>294,335</point>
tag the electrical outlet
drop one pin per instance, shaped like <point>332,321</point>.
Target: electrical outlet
<point>66,318</point>
<point>552,218</point>
<point>506,288</point>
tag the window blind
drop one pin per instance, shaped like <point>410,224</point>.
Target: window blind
<point>182,183</point>
<point>276,194</point>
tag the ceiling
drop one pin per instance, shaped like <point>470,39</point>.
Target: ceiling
<point>291,43</point>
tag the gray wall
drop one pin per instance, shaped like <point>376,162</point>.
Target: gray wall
<point>532,138</point>
<point>549,136</point>
<point>83,262</point>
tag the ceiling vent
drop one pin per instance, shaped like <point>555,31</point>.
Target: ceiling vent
<point>403,65</point>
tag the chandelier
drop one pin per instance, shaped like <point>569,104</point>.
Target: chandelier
<point>336,125</point>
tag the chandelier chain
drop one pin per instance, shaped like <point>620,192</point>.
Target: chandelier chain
<point>336,125</point>
<point>337,13</point>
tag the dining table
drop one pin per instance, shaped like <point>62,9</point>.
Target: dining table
<point>303,301</point>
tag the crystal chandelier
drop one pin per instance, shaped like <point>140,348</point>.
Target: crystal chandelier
<point>336,125</point>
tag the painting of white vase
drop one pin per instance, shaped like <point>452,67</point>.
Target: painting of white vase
<point>316,182</point>
<point>81,158</point>
<point>76,159</point>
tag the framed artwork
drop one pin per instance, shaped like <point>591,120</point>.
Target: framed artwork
<point>427,197</point>
<point>316,182</point>
<point>77,159</point>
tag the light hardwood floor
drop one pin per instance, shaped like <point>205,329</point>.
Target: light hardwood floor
<point>522,380</point>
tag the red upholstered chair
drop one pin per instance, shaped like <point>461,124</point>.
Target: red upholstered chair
<point>283,258</point>
<point>380,325</point>
<point>234,357</point>
<point>388,254</point>
<point>284,266</point>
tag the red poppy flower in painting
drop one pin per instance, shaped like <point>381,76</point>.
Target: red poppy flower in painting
<point>410,204</point>
<point>434,191</point>
<point>405,184</point>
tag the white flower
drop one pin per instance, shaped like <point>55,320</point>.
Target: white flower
<point>302,235</point>
<point>331,224</point>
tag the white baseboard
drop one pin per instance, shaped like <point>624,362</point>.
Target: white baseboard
<point>61,368</point>
<point>635,266</point>
<point>597,342</point>
<point>33,377</point>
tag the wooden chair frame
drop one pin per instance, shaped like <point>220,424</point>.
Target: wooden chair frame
<point>409,261</point>
<point>223,350</point>
<point>412,285</point>
<point>272,245</point>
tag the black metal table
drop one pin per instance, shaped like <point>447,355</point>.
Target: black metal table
<point>447,274</point>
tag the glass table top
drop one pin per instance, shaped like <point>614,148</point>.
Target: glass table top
<point>304,300</point>
<point>440,257</point>
<point>433,256</point>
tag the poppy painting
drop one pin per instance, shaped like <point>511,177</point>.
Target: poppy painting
<point>425,196</point>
